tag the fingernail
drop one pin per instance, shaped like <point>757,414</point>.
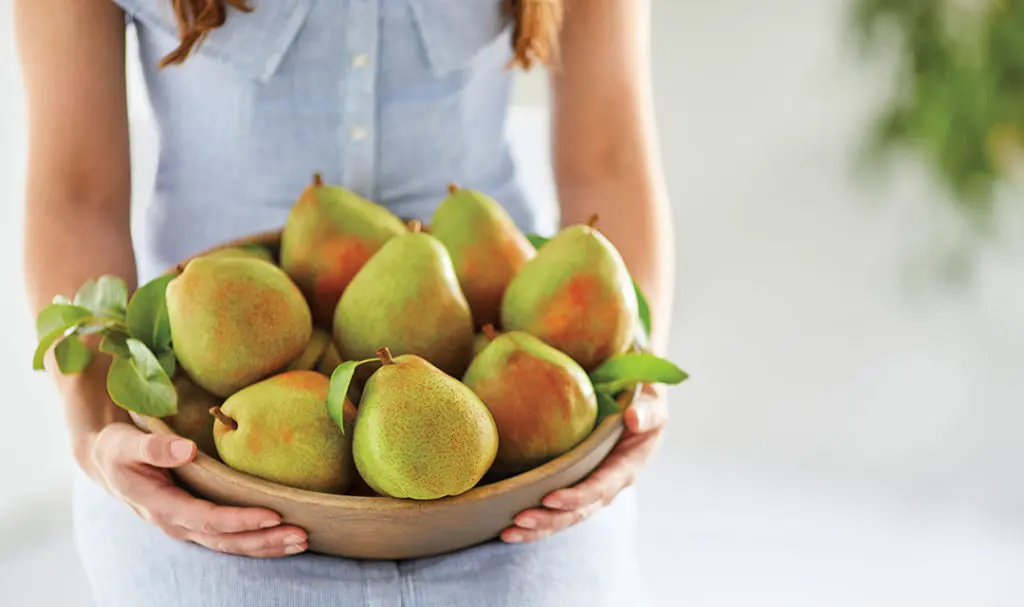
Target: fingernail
<point>181,449</point>
<point>552,502</point>
<point>269,524</point>
<point>526,523</point>
<point>294,549</point>
<point>513,538</point>
<point>641,418</point>
<point>294,540</point>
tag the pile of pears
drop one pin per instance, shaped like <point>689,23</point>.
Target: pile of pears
<point>368,355</point>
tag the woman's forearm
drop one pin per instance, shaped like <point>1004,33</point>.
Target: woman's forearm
<point>605,144</point>
<point>77,219</point>
<point>63,250</point>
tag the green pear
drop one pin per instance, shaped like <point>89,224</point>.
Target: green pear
<point>486,247</point>
<point>541,400</point>
<point>280,430</point>
<point>235,320</point>
<point>330,360</point>
<point>421,434</point>
<point>255,251</point>
<point>576,295</point>
<point>193,420</point>
<point>331,232</point>
<point>315,349</point>
<point>407,296</point>
<point>480,342</point>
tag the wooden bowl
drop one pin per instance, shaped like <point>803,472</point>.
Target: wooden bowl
<point>386,528</point>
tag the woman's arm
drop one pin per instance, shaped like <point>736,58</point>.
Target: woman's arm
<point>77,209</point>
<point>606,162</point>
<point>605,147</point>
<point>77,227</point>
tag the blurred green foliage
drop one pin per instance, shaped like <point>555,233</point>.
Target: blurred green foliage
<point>958,103</point>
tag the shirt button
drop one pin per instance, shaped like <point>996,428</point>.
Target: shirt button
<point>360,60</point>
<point>358,133</point>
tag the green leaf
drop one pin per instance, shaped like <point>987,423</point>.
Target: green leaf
<point>59,316</point>
<point>625,370</point>
<point>107,297</point>
<point>54,321</point>
<point>168,361</point>
<point>39,357</point>
<point>139,384</point>
<point>114,344</point>
<point>338,390</point>
<point>536,240</point>
<point>72,355</point>
<point>60,299</point>
<point>147,314</point>
<point>606,406</point>
<point>643,311</point>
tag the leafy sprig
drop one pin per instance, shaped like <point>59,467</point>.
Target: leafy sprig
<point>135,332</point>
<point>956,101</point>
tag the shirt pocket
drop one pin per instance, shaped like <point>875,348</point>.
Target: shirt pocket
<point>455,32</point>
<point>253,44</point>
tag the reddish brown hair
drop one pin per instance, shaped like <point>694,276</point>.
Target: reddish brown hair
<point>535,39</point>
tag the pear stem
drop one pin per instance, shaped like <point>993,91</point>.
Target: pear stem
<point>415,226</point>
<point>318,179</point>
<point>385,356</point>
<point>592,221</point>
<point>179,269</point>
<point>490,332</point>
<point>223,418</point>
<point>452,188</point>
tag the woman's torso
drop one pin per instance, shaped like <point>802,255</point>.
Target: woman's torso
<point>391,98</point>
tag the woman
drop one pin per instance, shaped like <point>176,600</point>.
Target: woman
<point>393,99</point>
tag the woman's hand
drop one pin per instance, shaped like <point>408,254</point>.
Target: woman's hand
<point>645,421</point>
<point>133,465</point>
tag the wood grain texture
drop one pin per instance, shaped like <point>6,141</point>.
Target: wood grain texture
<point>386,528</point>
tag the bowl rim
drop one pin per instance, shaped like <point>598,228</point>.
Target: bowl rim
<point>611,425</point>
<point>608,427</point>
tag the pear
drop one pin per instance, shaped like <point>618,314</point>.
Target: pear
<point>331,232</point>
<point>330,360</point>
<point>541,400</point>
<point>480,342</point>
<point>576,295</point>
<point>315,349</point>
<point>255,251</point>
<point>486,247</point>
<point>235,320</point>
<point>407,296</point>
<point>193,420</point>
<point>280,430</point>
<point>420,433</point>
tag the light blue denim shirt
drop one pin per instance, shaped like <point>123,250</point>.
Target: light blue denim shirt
<point>391,98</point>
<point>394,99</point>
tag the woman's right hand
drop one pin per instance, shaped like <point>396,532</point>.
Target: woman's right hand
<point>134,467</point>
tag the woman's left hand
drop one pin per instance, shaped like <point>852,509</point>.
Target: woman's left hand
<point>645,422</point>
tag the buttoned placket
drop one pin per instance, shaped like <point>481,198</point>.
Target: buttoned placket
<point>359,137</point>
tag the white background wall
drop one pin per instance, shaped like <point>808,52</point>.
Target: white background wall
<point>851,434</point>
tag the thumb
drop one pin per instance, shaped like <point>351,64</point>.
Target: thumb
<point>164,451</point>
